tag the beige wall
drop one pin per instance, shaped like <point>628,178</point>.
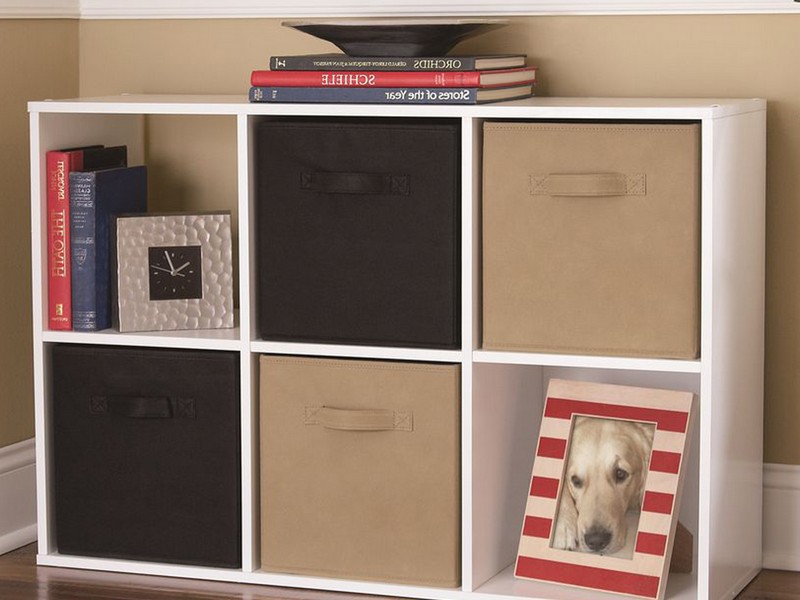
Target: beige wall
<point>38,59</point>
<point>737,56</point>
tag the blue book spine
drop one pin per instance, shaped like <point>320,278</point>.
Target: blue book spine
<point>82,211</point>
<point>364,95</point>
<point>99,195</point>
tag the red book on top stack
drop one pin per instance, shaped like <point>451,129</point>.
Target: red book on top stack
<point>467,79</point>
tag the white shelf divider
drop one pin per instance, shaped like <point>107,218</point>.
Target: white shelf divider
<point>206,339</point>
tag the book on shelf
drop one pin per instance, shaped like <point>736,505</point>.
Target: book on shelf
<point>342,62</point>
<point>445,79</point>
<point>95,197</point>
<point>58,165</point>
<point>395,95</point>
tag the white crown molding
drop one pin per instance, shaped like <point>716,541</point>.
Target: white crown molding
<point>194,9</point>
<point>132,9</point>
<point>39,9</point>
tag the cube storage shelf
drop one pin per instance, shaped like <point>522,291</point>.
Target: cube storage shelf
<point>502,393</point>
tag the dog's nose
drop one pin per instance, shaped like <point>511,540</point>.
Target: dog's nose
<point>597,538</point>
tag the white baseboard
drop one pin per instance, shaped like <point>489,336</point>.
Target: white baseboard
<point>781,539</point>
<point>17,495</point>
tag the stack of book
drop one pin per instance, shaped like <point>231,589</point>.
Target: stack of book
<point>339,78</point>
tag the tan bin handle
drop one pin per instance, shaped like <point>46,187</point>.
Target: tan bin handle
<point>588,185</point>
<point>367,419</point>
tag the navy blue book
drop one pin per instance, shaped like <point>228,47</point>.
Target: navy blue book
<point>385,95</point>
<point>94,198</point>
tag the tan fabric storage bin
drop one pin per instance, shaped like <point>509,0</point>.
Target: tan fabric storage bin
<point>360,469</point>
<point>591,238</point>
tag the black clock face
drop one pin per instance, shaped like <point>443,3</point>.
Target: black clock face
<point>175,272</point>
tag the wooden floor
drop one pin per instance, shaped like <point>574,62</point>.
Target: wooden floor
<point>20,579</point>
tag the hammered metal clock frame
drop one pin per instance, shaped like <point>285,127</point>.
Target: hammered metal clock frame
<point>137,234</point>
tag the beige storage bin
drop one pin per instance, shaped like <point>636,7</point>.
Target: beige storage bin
<point>360,469</point>
<point>591,238</point>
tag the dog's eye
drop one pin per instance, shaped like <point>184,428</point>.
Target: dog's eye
<point>620,475</point>
<point>576,481</point>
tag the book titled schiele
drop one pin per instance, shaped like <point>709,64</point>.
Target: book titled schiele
<point>477,79</point>
<point>383,95</point>
<point>95,197</point>
<point>342,62</point>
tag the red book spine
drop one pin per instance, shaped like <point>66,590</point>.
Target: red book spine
<point>59,289</point>
<point>470,79</point>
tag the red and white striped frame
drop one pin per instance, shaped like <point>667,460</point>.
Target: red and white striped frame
<point>645,574</point>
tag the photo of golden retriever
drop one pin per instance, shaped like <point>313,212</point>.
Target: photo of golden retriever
<point>602,488</point>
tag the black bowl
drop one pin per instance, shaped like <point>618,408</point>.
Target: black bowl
<point>396,37</point>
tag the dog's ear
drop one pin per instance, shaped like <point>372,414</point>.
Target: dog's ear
<point>643,437</point>
<point>647,431</point>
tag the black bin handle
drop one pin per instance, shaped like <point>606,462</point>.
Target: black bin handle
<point>143,407</point>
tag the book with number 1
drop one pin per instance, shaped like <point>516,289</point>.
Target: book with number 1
<point>342,62</point>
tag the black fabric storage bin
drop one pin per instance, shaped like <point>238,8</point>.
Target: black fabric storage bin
<point>358,231</point>
<point>146,454</point>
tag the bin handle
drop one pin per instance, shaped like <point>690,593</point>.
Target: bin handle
<point>592,185</point>
<point>143,407</point>
<point>364,419</point>
<point>329,182</point>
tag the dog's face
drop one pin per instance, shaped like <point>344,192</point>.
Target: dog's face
<point>605,476</point>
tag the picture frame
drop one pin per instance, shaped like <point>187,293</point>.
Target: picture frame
<point>174,271</point>
<point>581,425</point>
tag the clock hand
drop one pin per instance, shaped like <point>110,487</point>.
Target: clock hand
<point>169,260</point>
<point>182,267</point>
<point>173,273</point>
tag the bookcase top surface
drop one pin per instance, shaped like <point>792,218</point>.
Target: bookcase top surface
<point>536,107</point>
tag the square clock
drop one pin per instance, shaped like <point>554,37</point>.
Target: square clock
<point>174,271</point>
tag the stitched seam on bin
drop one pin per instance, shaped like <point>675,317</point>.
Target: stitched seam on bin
<point>636,184</point>
<point>161,353</point>
<point>526,128</point>
<point>310,416</point>
<point>270,567</point>
<point>349,127</point>
<point>578,349</point>
<point>403,420</point>
<point>536,185</point>
<point>360,365</point>
<point>395,343</point>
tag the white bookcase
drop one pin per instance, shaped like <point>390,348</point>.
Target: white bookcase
<point>502,392</point>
